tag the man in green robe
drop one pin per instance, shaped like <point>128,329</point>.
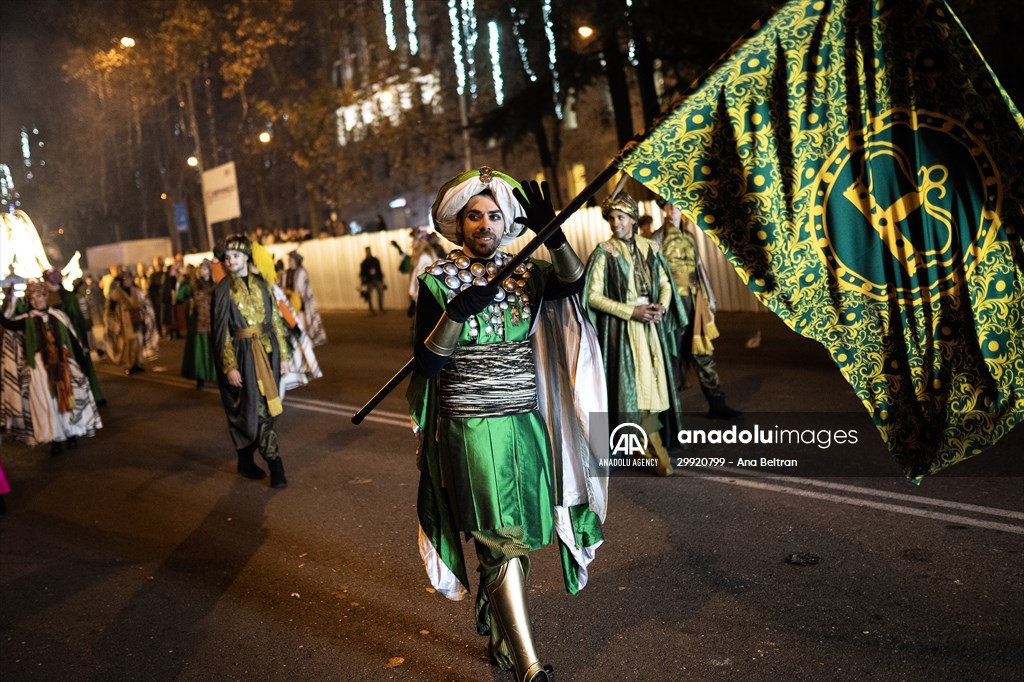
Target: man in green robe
<point>630,298</point>
<point>488,468</point>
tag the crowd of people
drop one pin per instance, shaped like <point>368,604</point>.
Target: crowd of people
<point>510,354</point>
<point>54,335</point>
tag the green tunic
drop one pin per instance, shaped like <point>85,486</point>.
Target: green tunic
<point>496,472</point>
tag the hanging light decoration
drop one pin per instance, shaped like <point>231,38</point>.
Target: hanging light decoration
<point>389,26</point>
<point>470,35</point>
<point>549,32</point>
<point>632,43</point>
<point>517,24</point>
<point>499,85</point>
<point>456,26</point>
<point>410,24</point>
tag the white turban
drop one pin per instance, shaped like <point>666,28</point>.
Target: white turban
<point>457,192</point>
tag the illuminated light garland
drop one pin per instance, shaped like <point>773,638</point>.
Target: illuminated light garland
<point>632,43</point>
<point>549,32</point>
<point>26,148</point>
<point>460,69</point>
<point>470,34</point>
<point>499,85</point>
<point>389,26</point>
<point>517,23</point>
<point>6,183</point>
<point>410,23</point>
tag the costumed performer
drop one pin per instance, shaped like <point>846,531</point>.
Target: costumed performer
<point>67,301</point>
<point>251,355</point>
<point>197,361</point>
<point>633,303</point>
<point>50,401</point>
<point>297,280</point>
<point>302,364</point>
<point>500,410</point>
<point>131,330</point>
<point>694,286</point>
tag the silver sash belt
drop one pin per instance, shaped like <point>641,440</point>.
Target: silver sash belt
<point>489,380</point>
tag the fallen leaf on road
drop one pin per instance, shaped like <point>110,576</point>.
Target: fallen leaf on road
<point>361,481</point>
<point>395,662</point>
<point>805,559</point>
<point>295,595</point>
<point>424,632</point>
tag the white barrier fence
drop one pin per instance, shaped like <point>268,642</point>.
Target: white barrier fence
<point>333,264</point>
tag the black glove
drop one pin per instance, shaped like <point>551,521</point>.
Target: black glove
<point>470,302</point>
<point>536,201</point>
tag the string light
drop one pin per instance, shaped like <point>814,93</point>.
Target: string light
<point>499,86</point>
<point>549,32</point>
<point>389,26</point>
<point>410,23</point>
<point>632,43</point>
<point>517,23</point>
<point>471,36</point>
<point>460,69</point>
<point>26,148</point>
<point>6,184</point>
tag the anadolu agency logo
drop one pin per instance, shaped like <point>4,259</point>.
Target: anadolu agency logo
<point>628,440</point>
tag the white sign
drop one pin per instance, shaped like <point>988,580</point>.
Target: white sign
<point>220,194</point>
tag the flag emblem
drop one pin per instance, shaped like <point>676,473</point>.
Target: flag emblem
<point>922,185</point>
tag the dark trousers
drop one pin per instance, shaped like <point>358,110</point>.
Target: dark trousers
<point>707,372</point>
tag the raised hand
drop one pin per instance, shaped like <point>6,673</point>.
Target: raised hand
<point>536,201</point>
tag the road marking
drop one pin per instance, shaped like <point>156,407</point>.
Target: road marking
<point>290,399</point>
<point>884,506</point>
<point>847,494</point>
<point>859,490</point>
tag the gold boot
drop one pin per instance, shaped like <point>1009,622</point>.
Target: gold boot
<point>507,593</point>
<point>656,449</point>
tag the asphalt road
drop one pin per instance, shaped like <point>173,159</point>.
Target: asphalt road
<point>141,555</point>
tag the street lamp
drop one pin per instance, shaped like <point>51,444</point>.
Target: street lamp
<point>265,137</point>
<point>127,41</point>
<point>192,161</point>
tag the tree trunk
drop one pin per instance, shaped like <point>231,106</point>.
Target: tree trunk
<point>645,79</point>
<point>615,71</point>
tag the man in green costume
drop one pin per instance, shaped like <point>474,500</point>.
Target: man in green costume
<point>500,460</point>
<point>634,306</point>
<point>695,347</point>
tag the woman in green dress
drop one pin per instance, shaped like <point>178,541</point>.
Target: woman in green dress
<point>197,361</point>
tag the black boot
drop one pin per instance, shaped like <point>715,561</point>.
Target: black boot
<point>56,447</point>
<point>72,443</point>
<point>719,410</point>
<point>277,479</point>
<point>247,467</point>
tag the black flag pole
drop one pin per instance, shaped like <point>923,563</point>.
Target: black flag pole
<point>506,271</point>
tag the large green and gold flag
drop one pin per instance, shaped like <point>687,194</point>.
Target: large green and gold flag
<point>859,164</point>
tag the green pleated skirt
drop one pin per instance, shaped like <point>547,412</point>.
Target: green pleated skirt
<point>498,474</point>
